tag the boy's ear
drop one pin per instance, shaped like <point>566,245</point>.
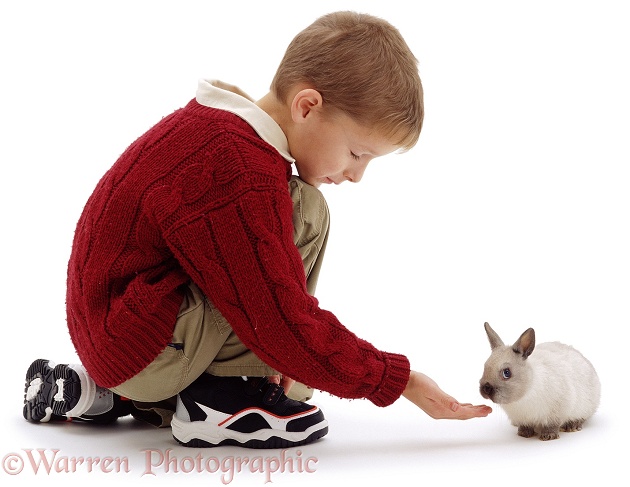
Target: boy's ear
<point>304,103</point>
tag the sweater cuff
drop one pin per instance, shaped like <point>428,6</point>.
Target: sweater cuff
<point>395,378</point>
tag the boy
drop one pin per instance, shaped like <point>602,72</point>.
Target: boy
<point>191,280</point>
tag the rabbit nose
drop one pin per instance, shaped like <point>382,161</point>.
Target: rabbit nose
<point>487,390</point>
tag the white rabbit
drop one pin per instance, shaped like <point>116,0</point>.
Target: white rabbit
<point>552,389</point>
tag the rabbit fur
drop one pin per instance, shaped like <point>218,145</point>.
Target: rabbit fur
<point>552,389</point>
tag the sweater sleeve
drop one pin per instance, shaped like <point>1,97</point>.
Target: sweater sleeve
<point>237,246</point>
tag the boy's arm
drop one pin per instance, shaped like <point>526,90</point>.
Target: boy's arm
<point>242,255</point>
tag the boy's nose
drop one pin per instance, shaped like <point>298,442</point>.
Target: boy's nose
<point>355,174</point>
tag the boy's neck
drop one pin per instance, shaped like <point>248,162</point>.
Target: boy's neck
<point>275,109</point>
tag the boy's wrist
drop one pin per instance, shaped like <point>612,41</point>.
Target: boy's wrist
<point>394,382</point>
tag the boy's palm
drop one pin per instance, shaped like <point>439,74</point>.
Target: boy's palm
<point>425,393</point>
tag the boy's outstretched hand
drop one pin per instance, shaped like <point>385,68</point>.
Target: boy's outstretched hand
<point>425,393</point>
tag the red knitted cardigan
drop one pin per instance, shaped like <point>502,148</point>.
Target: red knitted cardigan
<point>202,197</point>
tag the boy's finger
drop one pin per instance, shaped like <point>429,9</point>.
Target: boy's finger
<point>287,383</point>
<point>468,411</point>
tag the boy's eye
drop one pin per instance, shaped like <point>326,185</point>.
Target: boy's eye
<point>354,156</point>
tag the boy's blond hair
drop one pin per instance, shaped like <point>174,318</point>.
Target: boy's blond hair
<point>362,66</point>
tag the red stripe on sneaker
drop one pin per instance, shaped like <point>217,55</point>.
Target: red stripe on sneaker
<point>266,412</point>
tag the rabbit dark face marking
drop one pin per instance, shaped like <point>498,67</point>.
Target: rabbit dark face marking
<point>505,376</point>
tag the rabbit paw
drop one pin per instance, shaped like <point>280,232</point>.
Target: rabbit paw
<point>573,425</point>
<point>526,431</point>
<point>549,433</point>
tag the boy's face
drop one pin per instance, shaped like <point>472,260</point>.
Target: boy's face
<point>334,149</point>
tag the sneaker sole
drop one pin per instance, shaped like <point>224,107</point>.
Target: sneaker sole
<point>201,434</point>
<point>54,390</point>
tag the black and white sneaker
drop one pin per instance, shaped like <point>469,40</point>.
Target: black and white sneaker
<point>55,392</point>
<point>248,412</point>
<point>62,392</point>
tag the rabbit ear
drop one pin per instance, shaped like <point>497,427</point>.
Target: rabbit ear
<point>495,340</point>
<point>526,343</point>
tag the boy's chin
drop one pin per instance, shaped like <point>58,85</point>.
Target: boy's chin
<point>313,181</point>
<point>321,181</point>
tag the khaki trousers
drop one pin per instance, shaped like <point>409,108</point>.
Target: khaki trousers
<point>203,341</point>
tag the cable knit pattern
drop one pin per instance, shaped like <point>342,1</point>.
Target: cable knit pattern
<point>201,196</point>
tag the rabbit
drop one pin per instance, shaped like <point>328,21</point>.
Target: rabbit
<point>543,392</point>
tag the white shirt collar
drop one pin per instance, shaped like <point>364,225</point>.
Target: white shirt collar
<point>266,127</point>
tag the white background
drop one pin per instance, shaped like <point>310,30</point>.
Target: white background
<point>512,209</point>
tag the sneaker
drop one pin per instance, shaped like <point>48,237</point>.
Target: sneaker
<point>248,412</point>
<point>64,392</point>
<point>54,391</point>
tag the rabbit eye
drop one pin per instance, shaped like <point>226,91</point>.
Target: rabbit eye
<point>506,373</point>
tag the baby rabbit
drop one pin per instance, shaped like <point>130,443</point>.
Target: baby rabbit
<point>554,388</point>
